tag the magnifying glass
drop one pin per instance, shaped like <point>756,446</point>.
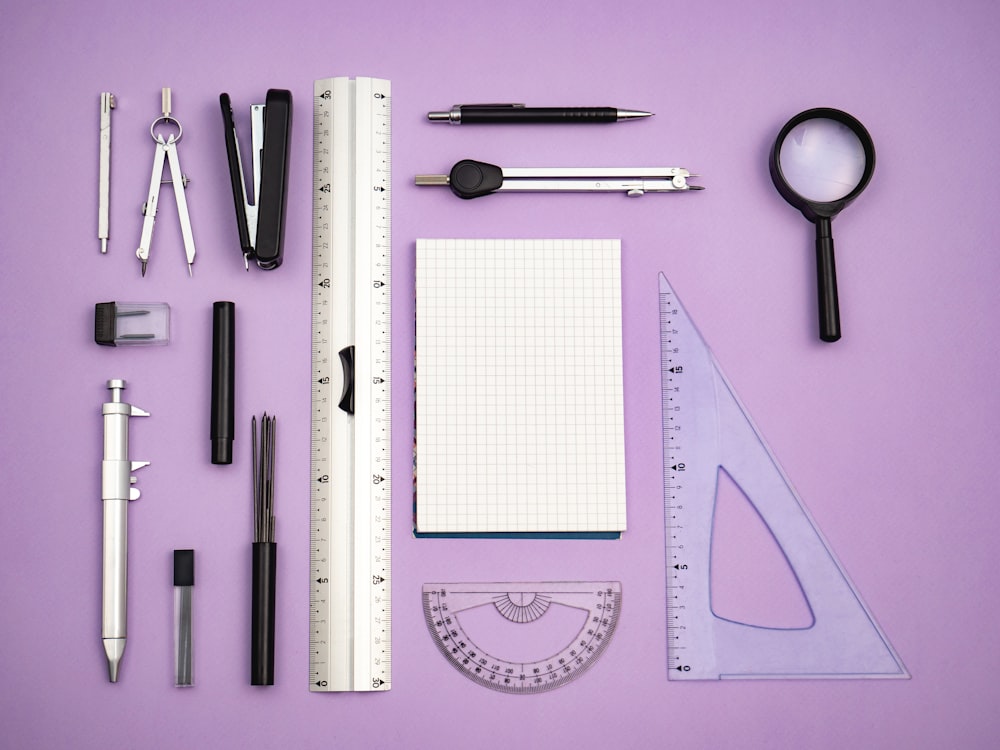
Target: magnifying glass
<point>821,161</point>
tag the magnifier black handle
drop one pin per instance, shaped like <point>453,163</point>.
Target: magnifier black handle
<point>826,278</point>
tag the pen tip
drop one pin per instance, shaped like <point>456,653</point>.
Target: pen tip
<point>144,269</point>
<point>632,114</point>
<point>114,648</point>
<point>190,270</point>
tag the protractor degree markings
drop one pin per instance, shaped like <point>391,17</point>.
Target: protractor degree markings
<point>528,607</point>
<point>514,676</point>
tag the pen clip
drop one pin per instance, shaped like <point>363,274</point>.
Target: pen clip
<point>490,106</point>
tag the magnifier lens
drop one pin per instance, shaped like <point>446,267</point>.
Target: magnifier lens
<point>822,160</point>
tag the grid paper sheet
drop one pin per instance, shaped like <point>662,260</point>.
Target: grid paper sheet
<point>519,404</point>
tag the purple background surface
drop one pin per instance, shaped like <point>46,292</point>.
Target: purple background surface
<point>890,435</point>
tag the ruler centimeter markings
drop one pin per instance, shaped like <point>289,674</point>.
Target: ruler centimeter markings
<point>707,431</point>
<point>350,544</point>
<point>682,374</point>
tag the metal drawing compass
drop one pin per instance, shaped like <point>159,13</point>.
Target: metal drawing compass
<point>166,149</point>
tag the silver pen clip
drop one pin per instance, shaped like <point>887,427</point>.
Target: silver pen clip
<point>454,115</point>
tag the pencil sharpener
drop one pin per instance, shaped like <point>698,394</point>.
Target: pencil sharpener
<point>131,323</point>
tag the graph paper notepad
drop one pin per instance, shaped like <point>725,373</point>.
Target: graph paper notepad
<point>520,419</point>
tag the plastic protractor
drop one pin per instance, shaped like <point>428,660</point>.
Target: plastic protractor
<point>522,637</point>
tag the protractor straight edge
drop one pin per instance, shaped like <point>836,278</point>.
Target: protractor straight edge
<point>350,615</point>
<point>521,604</point>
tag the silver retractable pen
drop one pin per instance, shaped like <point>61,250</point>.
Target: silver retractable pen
<point>116,493</point>
<point>104,174</point>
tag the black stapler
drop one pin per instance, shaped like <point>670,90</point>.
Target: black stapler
<point>261,224</point>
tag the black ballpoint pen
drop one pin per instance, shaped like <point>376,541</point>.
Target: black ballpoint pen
<point>511,114</point>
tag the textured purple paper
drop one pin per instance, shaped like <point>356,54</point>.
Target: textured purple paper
<point>889,435</point>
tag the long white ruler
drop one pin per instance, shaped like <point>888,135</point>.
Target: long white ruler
<point>350,547</point>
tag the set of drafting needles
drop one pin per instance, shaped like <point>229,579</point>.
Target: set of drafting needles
<point>263,479</point>
<point>265,555</point>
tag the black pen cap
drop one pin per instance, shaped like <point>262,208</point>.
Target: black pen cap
<point>223,426</point>
<point>183,567</point>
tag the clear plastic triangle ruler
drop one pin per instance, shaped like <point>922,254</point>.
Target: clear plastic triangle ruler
<point>560,629</point>
<point>350,550</point>
<point>707,430</point>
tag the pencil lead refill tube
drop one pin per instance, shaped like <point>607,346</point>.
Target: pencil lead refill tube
<point>183,589</point>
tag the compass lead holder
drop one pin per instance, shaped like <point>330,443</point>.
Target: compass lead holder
<point>166,141</point>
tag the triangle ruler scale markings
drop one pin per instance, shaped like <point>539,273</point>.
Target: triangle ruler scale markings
<point>350,545</point>
<point>709,437</point>
<point>522,638</point>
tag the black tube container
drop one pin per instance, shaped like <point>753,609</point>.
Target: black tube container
<point>265,555</point>
<point>223,426</point>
